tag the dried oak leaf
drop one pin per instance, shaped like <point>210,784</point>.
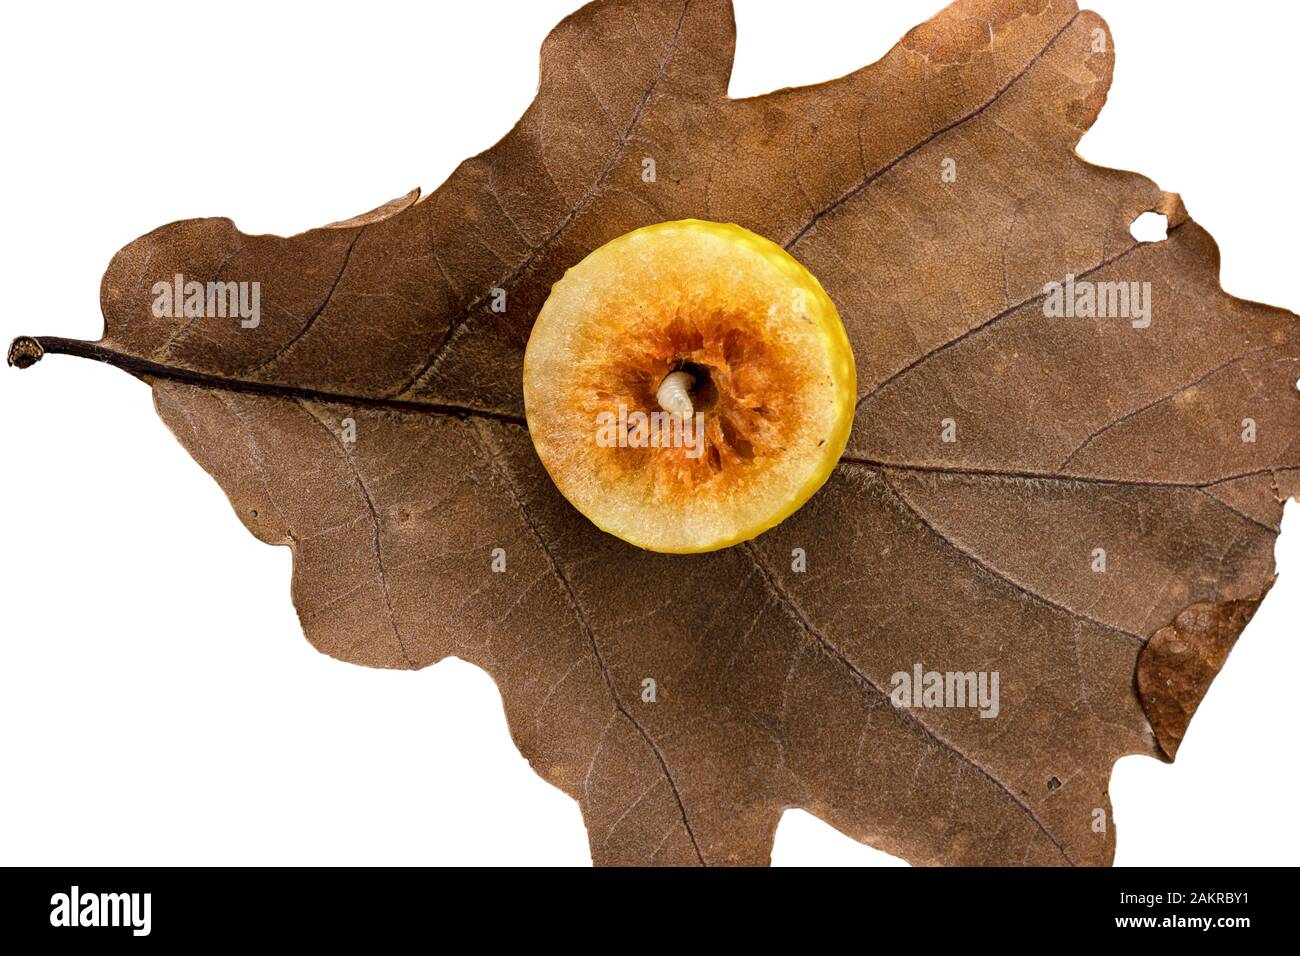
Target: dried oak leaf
<point>975,555</point>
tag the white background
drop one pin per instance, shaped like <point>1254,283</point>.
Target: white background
<point>158,703</point>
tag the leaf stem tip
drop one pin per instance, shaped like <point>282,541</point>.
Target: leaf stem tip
<point>25,351</point>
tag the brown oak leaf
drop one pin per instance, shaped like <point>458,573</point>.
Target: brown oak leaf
<point>936,194</point>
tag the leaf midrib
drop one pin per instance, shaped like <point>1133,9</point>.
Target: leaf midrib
<point>146,369</point>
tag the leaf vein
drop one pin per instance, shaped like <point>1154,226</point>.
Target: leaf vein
<point>820,640</point>
<point>584,625</point>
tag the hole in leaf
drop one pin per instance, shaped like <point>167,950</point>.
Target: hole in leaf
<point>1150,227</point>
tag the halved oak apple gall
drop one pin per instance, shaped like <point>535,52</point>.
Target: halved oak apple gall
<point>688,386</point>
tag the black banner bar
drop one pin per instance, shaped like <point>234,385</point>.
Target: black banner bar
<point>930,907</point>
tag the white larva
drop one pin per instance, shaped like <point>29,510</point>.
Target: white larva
<point>674,394</point>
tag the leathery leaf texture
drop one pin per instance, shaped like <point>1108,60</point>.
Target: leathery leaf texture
<point>1067,502</point>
